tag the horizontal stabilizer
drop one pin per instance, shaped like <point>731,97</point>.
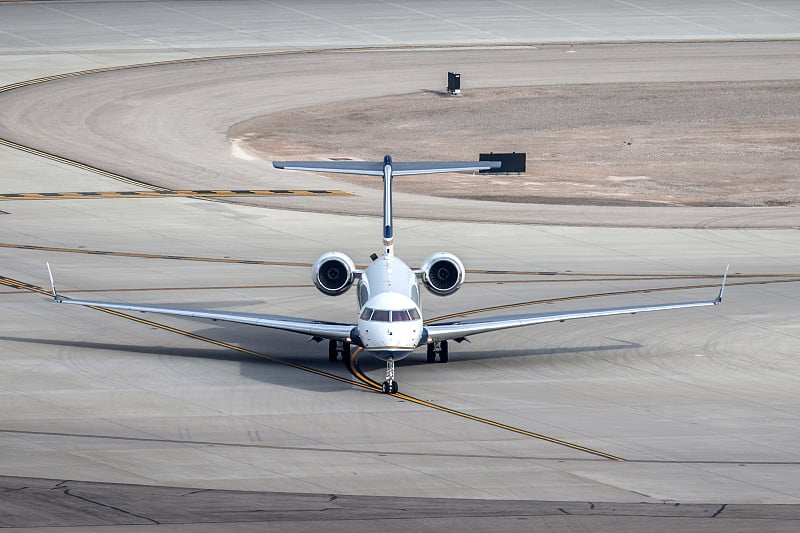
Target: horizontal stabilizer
<point>368,168</point>
<point>375,168</point>
<point>405,169</point>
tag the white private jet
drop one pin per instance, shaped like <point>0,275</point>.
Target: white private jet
<point>389,324</point>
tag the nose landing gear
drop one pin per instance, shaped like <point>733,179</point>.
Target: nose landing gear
<point>390,385</point>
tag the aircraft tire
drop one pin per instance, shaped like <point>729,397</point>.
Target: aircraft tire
<point>444,355</point>
<point>333,353</point>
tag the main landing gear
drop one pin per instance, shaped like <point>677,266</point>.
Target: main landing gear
<point>438,349</point>
<point>390,385</point>
<point>337,349</point>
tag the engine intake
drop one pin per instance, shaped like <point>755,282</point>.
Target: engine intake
<point>333,273</point>
<point>442,273</point>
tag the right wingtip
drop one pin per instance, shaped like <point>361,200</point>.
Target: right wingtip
<point>718,299</point>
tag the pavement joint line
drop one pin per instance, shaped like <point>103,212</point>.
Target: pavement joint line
<point>593,276</point>
<point>170,193</point>
<point>387,452</point>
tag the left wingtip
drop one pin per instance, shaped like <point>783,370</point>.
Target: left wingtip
<point>56,296</point>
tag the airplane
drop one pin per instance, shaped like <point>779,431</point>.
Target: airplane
<point>390,325</point>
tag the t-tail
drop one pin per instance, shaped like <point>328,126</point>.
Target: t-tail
<point>387,169</point>
<point>388,230</point>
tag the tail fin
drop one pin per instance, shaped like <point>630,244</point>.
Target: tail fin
<point>387,169</point>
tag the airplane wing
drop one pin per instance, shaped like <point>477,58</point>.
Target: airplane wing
<point>461,329</point>
<point>306,326</point>
<point>314,328</point>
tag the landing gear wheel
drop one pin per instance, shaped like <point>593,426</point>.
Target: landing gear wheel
<point>333,351</point>
<point>389,387</point>
<point>337,349</point>
<point>438,349</point>
<point>431,353</point>
<point>345,353</point>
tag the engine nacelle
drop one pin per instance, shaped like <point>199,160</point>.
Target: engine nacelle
<point>333,273</point>
<point>442,273</point>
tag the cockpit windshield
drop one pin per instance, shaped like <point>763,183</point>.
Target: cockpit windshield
<point>396,315</point>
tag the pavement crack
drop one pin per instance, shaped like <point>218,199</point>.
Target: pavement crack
<point>196,492</point>
<point>722,508</point>
<point>123,511</point>
<point>562,510</point>
<point>14,490</point>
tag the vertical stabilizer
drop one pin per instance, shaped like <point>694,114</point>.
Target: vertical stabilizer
<point>388,230</point>
<point>387,169</point>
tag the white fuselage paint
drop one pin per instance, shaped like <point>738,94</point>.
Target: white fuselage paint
<point>391,286</point>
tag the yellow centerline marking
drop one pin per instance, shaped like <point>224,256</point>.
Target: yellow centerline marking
<point>70,162</point>
<point>33,288</point>
<point>356,371</point>
<point>365,382</point>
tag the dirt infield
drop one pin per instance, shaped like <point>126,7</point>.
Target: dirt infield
<point>699,144</point>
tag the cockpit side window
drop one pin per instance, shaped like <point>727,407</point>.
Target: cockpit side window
<point>366,313</point>
<point>414,314</point>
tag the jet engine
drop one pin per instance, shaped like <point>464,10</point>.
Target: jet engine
<point>442,273</point>
<point>333,273</point>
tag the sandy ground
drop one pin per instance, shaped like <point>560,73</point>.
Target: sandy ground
<point>699,144</point>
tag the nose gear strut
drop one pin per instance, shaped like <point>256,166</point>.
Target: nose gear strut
<point>390,385</point>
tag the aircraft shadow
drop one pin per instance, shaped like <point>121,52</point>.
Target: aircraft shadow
<point>419,358</point>
<point>199,353</point>
<point>287,347</point>
<point>250,366</point>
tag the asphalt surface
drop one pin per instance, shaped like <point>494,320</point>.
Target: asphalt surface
<point>104,415</point>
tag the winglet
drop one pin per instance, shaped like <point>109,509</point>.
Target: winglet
<point>718,299</point>
<point>56,296</point>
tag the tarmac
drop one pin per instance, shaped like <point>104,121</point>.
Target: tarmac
<point>659,421</point>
